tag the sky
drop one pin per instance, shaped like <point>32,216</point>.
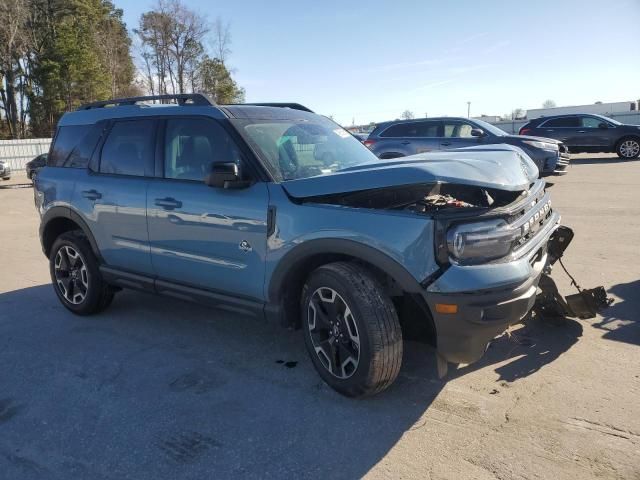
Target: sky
<point>370,61</point>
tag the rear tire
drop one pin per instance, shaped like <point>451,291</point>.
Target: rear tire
<point>351,330</point>
<point>76,277</point>
<point>628,148</point>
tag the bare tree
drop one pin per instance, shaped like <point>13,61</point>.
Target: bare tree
<point>171,37</point>
<point>407,115</point>
<point>549,104</point>
<point>221,40</point>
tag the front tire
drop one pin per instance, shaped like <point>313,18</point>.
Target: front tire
<point>628,148</point>
<point>76,277</point>
<point>351,330</point>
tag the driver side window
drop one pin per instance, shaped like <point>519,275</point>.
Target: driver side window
<point>591,122</point>
<point>193,145</point>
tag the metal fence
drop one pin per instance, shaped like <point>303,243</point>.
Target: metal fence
<point>19,152</point>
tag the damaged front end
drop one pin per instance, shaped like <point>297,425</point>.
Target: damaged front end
<point>585,304</point>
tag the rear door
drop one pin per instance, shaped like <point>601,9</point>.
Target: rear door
<point>408,138</point>
<point>111,195</point>
<point>211,238</point>
<point>457,134</point>
<point>566,129</point>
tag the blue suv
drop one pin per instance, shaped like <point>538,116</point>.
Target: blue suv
<point>275,211</point>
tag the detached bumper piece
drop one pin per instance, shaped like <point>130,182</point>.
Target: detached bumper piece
<point>585,304</point>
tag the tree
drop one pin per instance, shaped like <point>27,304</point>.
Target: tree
<point>407,115</point>
<point>213,78</point>
<point>173,56</point>
<point>549,104</point>
<point>56,54</point>
<point>221,40</point>
<point>171,37</point>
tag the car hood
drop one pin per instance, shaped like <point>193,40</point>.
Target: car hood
<point>536,139</point>
<point>502,167</point>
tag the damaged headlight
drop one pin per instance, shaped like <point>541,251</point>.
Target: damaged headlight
<point>481,241</point>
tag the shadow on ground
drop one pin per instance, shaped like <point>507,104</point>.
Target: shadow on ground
<point>528,347</point>
<point>621,320</point>
<point>156,388</point>
<point>598,160</point>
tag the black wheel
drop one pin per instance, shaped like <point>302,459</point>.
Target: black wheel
<point>75,275</point>
<point>351,329</point>
<point>628,148</point>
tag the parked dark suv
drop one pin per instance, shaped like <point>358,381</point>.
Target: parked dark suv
<point>282,214</point>
<point>402,138</point>
<point>588,133</point>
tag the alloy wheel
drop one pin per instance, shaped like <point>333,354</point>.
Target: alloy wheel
<point>72,277</point>
<point>333,332</point>
<point>629,148</point>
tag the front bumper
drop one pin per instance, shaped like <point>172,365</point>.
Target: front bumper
<point>556,162</point>
<point>482,314</point>
<point>5,171</point>
<point>488,297</point>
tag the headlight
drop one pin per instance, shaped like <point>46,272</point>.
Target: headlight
<point>543,145</point>
<point>481,241</point>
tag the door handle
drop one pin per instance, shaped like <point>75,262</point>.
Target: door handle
<point>445,144</point>
<point>581,131</point>
<point>91,194</point>
<point>550,130</point>
<point>168,203</point>
<point>406,142</point>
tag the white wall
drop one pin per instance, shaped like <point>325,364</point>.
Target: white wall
<point>19,152</point>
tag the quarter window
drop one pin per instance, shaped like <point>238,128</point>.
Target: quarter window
<point>562,122</point>
<point>193,145</point>
<point>129,148</point>
<point>66,140</point>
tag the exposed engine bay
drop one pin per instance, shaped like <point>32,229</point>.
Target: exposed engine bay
<point>429,199</point>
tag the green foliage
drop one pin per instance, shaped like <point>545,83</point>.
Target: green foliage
<point>212,77</point>
<point>72,52</point>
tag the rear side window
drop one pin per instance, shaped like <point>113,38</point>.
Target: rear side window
<point>562,122</point>
<point>413,129</point>
<point>66,140</point>
<point>129,148</point>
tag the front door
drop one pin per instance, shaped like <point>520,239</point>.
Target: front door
<point>596,132</point>
<point>201,236</point>
<point>457,134</point>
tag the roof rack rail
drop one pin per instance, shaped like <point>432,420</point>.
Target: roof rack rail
<point>181,98</point>
<point>294,106</point>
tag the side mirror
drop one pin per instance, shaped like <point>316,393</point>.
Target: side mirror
<point>603,125</point>
<point>477,132</point>
<point>225,175</point>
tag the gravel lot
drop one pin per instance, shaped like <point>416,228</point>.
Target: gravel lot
<point>158,389</point>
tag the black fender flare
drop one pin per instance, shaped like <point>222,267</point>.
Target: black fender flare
<point>337,246</point>
<point>68,214</point>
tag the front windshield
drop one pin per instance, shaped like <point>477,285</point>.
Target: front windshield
<point>487,127</point>
<point>301,148</point>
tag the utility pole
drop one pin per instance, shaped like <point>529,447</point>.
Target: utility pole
<point>425,115</point>
<point>468,109</point>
